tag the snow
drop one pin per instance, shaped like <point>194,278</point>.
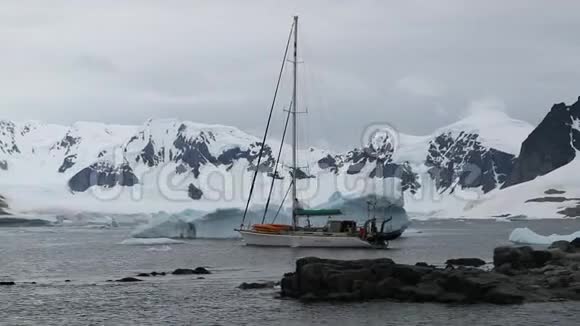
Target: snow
<point>149,241</point>
<point>411,148</point>
<point>527,236</point>
<point>575,124</point>
<point>512,200</point>
<point>495,129</point>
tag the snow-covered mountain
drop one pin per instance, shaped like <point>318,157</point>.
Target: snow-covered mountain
<point>551,145</point>
<point>544,182</point>
<point>173,165</point>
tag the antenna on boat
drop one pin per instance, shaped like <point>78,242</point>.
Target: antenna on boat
<point>294,136</point>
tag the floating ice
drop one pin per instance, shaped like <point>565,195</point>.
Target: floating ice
<point>527,236</point>
<point>362,207</point>
<point>162,248</point>
<point>173,226</point>
<point>150,241</point>
<point>191,224</point>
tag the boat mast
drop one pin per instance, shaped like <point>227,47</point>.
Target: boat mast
<point>294,135</point>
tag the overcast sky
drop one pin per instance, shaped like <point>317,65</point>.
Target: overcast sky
<point>417,65</point>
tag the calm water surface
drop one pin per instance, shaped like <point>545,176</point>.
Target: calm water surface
<point>89,257</point>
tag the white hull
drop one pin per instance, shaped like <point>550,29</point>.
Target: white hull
<point>302,240</point>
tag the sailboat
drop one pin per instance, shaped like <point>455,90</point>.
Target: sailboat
<point>337,233</point>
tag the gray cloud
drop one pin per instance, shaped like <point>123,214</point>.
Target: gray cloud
<point>216,62</point>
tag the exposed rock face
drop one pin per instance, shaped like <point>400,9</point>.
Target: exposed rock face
<point>67,144</point>
<point>230,156</point>
<point>464,161</point>
<point>555,199</point>
<point>103,174</point>
<point>194,192</point>
<point>68,162</point>
<point>570,211</point>
<point>7,138</point>
<point>3,206</point>
<point>193,152</point>
<point>521,275</point>
<point>376,159</point>
<point>551,145</point>
<point>554,192</point>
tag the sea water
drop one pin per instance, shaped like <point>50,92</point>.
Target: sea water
<point>89,257</point>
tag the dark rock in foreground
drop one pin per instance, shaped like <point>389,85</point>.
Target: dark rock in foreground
<point>473,262</point>
<point>187,271</point>
<point>565,246</point>
<point>520,275</point>
<point>252,286</point>
<point>129,279</point>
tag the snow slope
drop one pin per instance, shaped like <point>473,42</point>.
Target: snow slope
<point>515,200</point>
<point>495,129</point>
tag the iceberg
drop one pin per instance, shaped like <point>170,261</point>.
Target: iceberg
<point>220,223</point>
<point>191,224</point>
<point>173,226</point>
<point>149,242</point>
<point>362,207</point>
<point>527,236</point>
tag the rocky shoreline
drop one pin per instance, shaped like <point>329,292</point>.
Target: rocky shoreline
<point>518,275</point>
<point>130,279</point>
